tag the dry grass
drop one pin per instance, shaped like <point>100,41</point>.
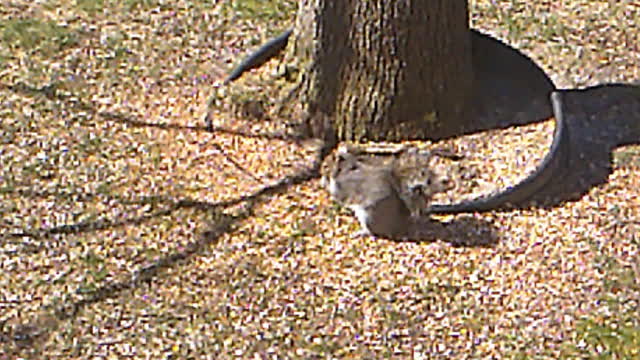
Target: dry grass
<point>101,128</point>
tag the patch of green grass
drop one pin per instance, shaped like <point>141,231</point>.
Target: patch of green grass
<point>140,4</point>
<point>33,34</point>
<point>4,57</point>
<point>553,27</point>
<point>517,18</point>
<point>628,156</point>
<point>611,339</point>
<point>261,10</point>
<point>615,331</point>
<point>91,7</point>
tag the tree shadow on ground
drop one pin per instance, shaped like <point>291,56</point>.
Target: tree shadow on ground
<point>50,92</point>
<point>511,90</point>
<point>597,121</point>
<point>26,337</point>
<point>590,124</point>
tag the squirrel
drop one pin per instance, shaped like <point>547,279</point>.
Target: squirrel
<point>371,192</point>
<point>386,196</point>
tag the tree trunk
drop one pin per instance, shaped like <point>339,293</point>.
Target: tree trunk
<point>384,70</point>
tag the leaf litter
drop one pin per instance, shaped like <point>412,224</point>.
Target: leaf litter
<point>118,149</point>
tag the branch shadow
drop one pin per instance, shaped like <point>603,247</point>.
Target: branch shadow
<point>27,336</point>
<point>170,205</point>
<point>32,241</point>
<point>51,92</point>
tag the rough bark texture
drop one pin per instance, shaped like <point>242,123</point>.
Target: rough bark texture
<point>384,70</point>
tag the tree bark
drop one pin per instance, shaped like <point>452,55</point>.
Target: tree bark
<point>384,70</point>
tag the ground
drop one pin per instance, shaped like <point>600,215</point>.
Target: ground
<point>121,232</point>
